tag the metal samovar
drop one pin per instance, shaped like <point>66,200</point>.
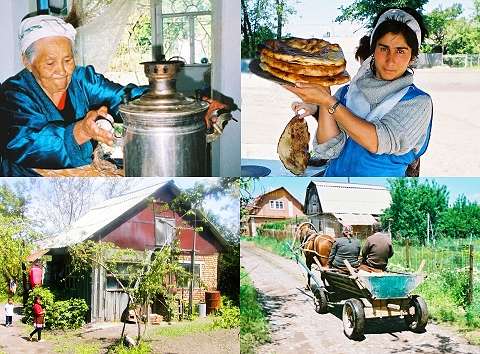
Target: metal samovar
<point>165,132</point>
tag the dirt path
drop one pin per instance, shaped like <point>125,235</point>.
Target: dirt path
<point>297,328</point>
<point>14,340</point>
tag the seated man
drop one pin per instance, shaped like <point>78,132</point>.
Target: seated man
<point>48,109</point>
<point>377,250</point>
<point>345,247</point>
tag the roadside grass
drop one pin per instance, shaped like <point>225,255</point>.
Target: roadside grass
<point>254,329</point>
<point>271,244</point>
<point>184,328</point>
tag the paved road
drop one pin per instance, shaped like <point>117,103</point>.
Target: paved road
<point>454,142</point>
<point>297,328</point>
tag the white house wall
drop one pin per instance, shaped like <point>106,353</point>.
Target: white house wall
<point>226,80</point>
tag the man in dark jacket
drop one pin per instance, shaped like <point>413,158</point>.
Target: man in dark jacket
<point>347,248</point>
<point>377,249</point>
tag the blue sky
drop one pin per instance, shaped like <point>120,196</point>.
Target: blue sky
<point>470,186</point>
<point>226,208</point>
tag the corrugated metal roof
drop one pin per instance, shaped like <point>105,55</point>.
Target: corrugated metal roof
<point>98,217</point>
<point>355,219</point>
<point>350,198</point>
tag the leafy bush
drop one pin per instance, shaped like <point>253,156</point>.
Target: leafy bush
<point>48,300</point>
<point>228,316</point>
<point>68,314</point>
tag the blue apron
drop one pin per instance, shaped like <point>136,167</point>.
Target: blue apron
<point>33,132</point>
<point>355,160</point>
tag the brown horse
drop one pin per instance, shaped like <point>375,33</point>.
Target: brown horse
<point>313,246</point>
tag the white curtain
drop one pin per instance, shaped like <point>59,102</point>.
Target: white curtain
<point>102,27</point>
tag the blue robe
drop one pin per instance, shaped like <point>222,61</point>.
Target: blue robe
<point>33,133</point>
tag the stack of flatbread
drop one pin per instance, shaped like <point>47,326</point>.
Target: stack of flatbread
<point>296,60</point>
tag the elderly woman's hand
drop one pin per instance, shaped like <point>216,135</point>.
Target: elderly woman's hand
<point>87,128</point>
<point>314,94</point>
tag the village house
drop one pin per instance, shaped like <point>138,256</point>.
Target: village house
<point>332,205</point>
<point>276,205</point>
<point>140,221</point>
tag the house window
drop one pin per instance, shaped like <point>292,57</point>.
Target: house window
<point>164,231</point>
<point>122,272</point>
<point>184,29</point>
<point>197,275</point>
<point>276,204</point>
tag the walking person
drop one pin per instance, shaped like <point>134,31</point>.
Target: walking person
<point>9,313</point>
<point>38,318</point>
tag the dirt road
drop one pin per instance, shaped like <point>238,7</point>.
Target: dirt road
<point>297,328</point>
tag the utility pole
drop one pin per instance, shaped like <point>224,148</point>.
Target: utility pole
<point>192,266</point>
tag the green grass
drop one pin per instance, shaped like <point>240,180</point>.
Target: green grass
<point>271,244</point>
<point>254,329</point>
<point>119,348</point>
<point>184,328</point>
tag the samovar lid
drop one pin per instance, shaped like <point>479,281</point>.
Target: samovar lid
<point>162,97</point>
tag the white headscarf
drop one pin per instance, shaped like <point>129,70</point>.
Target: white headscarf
<point>34,28</point>
<point>400,16</point>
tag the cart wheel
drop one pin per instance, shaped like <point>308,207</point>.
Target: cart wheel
<point>353,317</point>
<point>418,321</point>
<point>321,301</point>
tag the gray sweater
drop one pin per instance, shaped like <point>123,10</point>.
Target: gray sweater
<point>402,129</point>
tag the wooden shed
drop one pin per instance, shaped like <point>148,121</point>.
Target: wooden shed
<point>332,205</point>
<point>140,221</point>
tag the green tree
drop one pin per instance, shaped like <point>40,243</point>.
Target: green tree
<point>366,10</point>
<point>412,202</point>
<point>143,276</point>
<point>15,231</point>
<point>262,20</point>
<point>462,37</point>
<point>462,220</point>
<point>438,22</point>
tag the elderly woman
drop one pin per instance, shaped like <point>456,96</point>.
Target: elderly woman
<point>48,110</point>
<point>381,122</point>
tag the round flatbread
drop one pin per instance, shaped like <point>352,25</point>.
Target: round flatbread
<point>309,70</point>
<point>292,146</point>
<point>305,51</point>
<point>315,80</point>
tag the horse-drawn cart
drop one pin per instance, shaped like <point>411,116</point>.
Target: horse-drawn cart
<point>367,295</point>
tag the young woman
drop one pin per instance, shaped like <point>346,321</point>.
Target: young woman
<point>379,123</point>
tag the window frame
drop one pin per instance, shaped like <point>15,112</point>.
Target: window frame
<point>277,204</point>
<point>158,17</point>
<point>196,284</point>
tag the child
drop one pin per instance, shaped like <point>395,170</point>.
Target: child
<point>9,313</point>
<point>38,318</point>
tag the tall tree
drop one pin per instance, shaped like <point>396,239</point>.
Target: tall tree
<point>366,10</point>
<point>438,21</point>
<point>262,20</point>
<point>462,220</point>
<point>14,234</point>
<point>414,204</point>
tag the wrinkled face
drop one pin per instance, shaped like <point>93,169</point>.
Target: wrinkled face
<point>392,56</point>
<point>53,63</point>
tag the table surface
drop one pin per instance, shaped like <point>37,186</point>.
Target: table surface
<point>83,171</point>
<point>277,168</point>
